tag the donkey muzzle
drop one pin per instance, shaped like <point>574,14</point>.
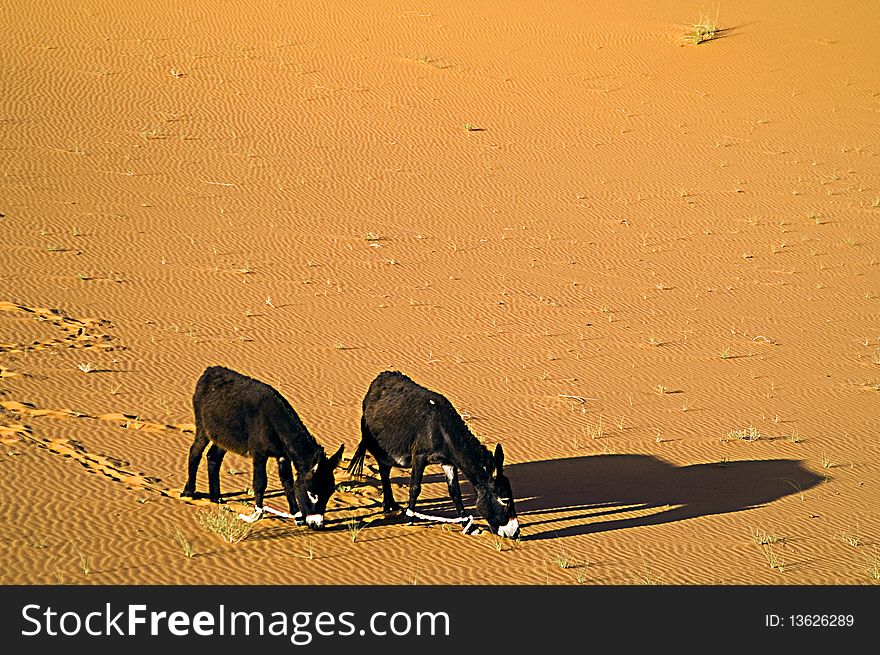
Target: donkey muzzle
<point>315,521</point>
<point>509,530</point>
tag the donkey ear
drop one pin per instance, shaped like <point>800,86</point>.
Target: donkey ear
<point>499,459</point>
<point>334,460</point>
<point>317,463</point>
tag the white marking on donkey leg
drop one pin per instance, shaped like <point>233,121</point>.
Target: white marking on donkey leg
<point>449,470</point>
<point>315,520</point>
<point>509,529</point>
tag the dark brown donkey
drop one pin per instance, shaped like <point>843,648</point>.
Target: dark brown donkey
<point>248,417</point>
<point>408,426</point>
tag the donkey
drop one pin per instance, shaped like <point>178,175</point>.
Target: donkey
<point>249,417</point>
<point>408,426</point>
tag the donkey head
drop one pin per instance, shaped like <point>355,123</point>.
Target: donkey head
<point>495,499</point>
<point>314,487</point>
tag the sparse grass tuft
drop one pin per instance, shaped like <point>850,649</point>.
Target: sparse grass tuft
<point>308,545</point>
<point>225,524</point>
<point>564,561</point>
<point>795,437</point>
<point>596,430</point>
<point>421,59</point>
<point>874,566</point>
<point>33,541</point>
<point>354,529</point>
<point>794,485</point>
<point>749,434</point>
<point>372,236</point>
<point>56,571</point>
<point>773,558</point>
<point>184,543</point>
<point>705,29</point>
<point>725,353</point>
<point>85,560</point>
<point>766,538</point>
<point>85,368</point>
<point>303,537</point>
<point>853,539</point>
<point>646,577</point>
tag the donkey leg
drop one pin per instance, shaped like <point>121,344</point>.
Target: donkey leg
<point>215,459</point>
<point>260,480</point>
<point>285,473</point>
<point>454,488</point>
<point>388,504</point>
<point>195,455</point>
<point>415,481</point>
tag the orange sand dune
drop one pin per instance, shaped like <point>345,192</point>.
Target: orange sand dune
<point>612,250</point>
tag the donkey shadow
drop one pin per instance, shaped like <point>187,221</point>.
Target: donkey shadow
<point>590,491</point>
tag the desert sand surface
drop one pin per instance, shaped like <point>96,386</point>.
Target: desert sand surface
<point>649,268</point>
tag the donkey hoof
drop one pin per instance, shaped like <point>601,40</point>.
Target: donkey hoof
<point>188,493</point>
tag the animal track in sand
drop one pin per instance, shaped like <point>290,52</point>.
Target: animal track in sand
<point>14,428</point>
<point>81,333</point>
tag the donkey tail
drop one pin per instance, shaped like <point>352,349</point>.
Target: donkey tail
<point>356,465</point>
